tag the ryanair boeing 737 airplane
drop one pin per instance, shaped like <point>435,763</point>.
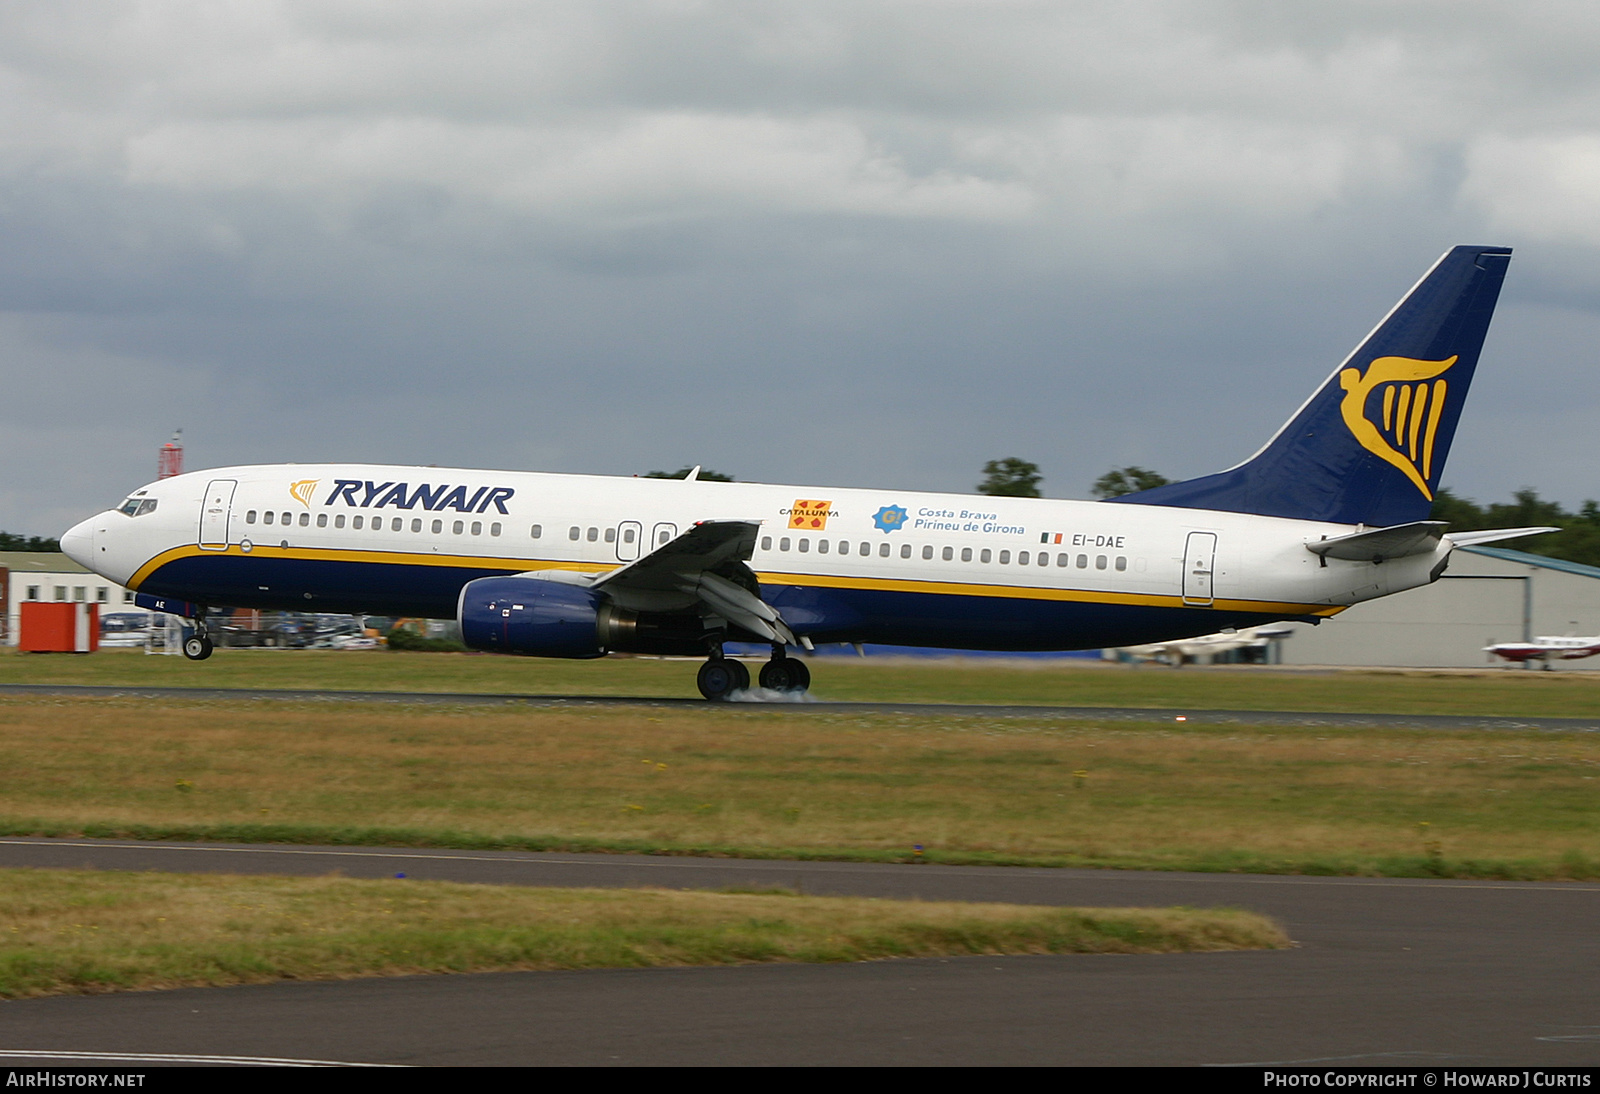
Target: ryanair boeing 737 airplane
<point>1333,510</point>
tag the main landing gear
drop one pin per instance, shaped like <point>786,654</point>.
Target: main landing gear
<point>721,676</point>
<point>197,647</point>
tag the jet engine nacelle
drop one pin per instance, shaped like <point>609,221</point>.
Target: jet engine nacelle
<point>553,616</point>
<point>530,616</point>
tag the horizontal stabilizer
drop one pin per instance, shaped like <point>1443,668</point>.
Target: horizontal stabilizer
<point>1419,537</point>
<point>1494,535</point>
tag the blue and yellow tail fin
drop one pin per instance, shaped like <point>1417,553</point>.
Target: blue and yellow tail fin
<point>1370,445</point>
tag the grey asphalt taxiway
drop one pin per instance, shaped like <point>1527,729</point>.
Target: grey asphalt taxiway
<point>1397,972</point>
<point>812,705</point>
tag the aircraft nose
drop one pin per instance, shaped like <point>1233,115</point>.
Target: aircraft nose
<point>77,543</point>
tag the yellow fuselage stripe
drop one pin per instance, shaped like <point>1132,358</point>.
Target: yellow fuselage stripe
<point>817,581</point>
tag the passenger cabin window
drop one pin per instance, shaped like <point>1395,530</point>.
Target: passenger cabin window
<point>1083,562</point>
<point>250,517</point>
<point>949,553</point>
<point>766,543</point>
<point>783,544</point>
<point>396,524</point>
<point>594,533</point>
<point>1122,563</point>
<point>1099,562</point>
<point>966,554</point>
<point>460,526</point>
<point>611,535</point>
<point>494,529</point>
<point>477,528</point>
<point>905,550</point>
<point>338,521</point>
<point>1044,558</point>
<point>355,522</point>
<point>305,520</point>
<point>287,518</point>
<point>927,551</point>
<point>437,527</point>
<point>572,533</point>
<point>804,545</point>
<point>822,547</point>
<point>1023,557</point>
<point>883,549</point>
<point>322,520</point>
<point>628,535</point>
<point>266,518</point>
<point>1005,558</point>
<point>985,556</point>
<point>538,530</point>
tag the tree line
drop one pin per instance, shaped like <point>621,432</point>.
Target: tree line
<point>10,542</point>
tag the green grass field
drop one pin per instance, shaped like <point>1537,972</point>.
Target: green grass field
<point>1507,692</point>
<point>87,931</point>
<point>753,781</point>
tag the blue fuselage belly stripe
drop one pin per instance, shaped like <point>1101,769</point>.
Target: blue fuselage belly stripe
<point>891,617</point>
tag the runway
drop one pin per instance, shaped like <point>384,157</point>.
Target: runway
<point>809,706</point>
<point>1405,972</point>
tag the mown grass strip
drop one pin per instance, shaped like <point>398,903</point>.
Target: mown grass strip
<point>1571,866</point>
<point>969,788</point>
<point>1492,692</point>
<point>75,932</point>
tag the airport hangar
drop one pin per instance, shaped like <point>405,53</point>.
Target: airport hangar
<point>1488,595</point>
<point>48,576</point>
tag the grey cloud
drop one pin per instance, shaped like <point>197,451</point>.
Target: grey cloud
<point>864,243</point>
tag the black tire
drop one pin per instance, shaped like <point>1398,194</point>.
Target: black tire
<point>197,647</point>
<point>720,678</point>
<point>785,675</point>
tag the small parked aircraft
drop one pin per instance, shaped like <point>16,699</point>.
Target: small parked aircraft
<point>1547,648</point>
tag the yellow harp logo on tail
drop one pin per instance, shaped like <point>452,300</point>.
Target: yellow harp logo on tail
<point>1409,410</point>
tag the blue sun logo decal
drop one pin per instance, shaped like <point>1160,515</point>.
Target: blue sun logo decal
<point>890,518</point>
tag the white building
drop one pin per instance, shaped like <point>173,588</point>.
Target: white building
<point>41,575</point>
<point>1488,595</point>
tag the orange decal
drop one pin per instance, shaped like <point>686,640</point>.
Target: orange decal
<point>812,516</point>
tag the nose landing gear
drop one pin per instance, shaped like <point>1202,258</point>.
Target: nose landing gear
<point>198,646</point>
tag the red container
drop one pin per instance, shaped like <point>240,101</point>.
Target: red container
<point>58,628</point>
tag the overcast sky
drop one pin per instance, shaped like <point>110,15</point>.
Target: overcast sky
<point>857,243</point>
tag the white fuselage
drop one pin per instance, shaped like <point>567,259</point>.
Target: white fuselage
<point>842,564</point>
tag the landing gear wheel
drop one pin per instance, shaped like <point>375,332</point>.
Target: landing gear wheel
<point>197,647</point>
<point>785,675</point>
<point>721,677</point>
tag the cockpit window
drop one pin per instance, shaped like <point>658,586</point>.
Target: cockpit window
<point>137,507</point>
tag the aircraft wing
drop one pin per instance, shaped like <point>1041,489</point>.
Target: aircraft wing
<point>703,566</point>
